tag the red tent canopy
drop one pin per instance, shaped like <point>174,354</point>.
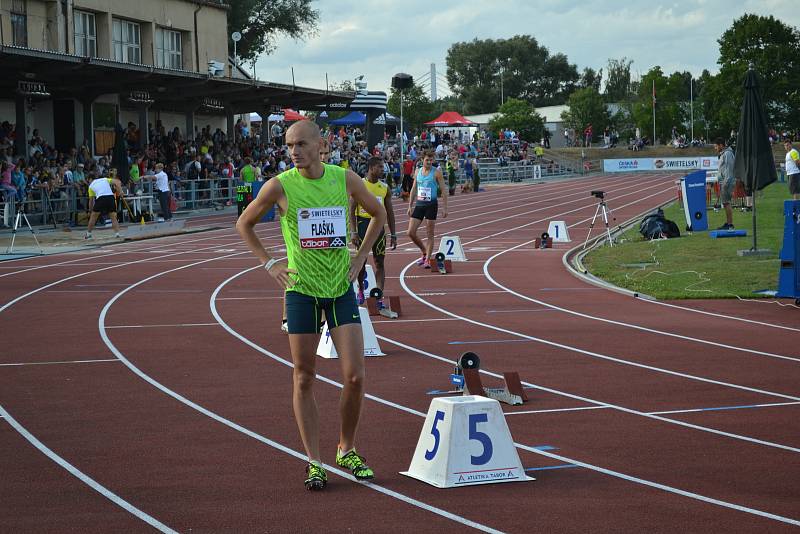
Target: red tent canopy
<point>450,118</point>
<point>290,115</point>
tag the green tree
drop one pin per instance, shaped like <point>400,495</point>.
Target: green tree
<point>618,80</point>
<point>417,107</point>
<point>477,70</point>
<point>591,78</point>
<point>520,116</point>
<point>586,106</point>
<point>261,22</point>
<point>671,104</point>
<point>773,48</point>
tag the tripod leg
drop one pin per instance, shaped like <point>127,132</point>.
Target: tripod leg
<point>36,239</point>
<point>591,225</point>
<point>608,230</point>
<point>10,248</point>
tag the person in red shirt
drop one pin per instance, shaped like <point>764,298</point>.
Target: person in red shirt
<point>408,180</point>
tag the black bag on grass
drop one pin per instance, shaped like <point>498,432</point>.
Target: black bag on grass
<point>656,226</point>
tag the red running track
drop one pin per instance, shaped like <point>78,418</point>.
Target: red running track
<point>145,385</point>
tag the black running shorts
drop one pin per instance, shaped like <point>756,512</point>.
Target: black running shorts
<point>794,184</point>
<point>425,211</point>
<point>304,312</point>
<point>105,204</point>
<point>379,247</point>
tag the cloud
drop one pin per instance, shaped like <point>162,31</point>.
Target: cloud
<point>379,38</point>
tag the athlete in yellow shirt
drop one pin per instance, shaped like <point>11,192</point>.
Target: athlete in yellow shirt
<point>360,219</point>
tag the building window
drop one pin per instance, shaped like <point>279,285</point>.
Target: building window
<point>168,49</point>
<point>85,34</point>
<point>19,23</point>
<point>127,42</point>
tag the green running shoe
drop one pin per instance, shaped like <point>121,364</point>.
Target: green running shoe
<point>316,477</point>
<point>355,463</point>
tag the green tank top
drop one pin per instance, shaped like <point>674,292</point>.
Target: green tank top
<point>248,174</point>
<point>315,229</point>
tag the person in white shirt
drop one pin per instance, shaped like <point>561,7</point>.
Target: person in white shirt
<point>162,186</point>
<point>102,200</point>
<point>792,169</point>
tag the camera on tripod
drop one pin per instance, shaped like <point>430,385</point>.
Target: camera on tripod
<point>599,194</point>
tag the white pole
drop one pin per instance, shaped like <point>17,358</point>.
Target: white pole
<point>691,105</point>
<point>502,70</point>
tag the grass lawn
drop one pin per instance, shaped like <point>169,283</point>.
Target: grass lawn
<point>696,266</point>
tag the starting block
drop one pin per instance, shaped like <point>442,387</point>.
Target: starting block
<point>393,311</point>
<point>326,348</point>
<point>448,265</point>
<point>465,441</point>
<point>512,393</point>
<point>467,378</point>
<point>545,241</point>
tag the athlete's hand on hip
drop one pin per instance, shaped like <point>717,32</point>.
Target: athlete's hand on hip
<point>280,272</point>
<point>356,264</point>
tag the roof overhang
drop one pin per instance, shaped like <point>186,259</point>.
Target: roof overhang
<point>69,76</point>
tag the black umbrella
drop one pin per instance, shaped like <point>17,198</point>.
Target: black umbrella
<point>119,157</point>
<point>754,163</point>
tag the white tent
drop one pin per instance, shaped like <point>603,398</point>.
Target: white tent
<point>255,117</point>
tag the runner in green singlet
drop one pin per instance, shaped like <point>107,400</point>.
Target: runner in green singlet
<point>313,200</point>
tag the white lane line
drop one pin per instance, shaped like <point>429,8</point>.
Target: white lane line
<point>80,475</point>
<point>147,249</point>
<point>564,459</point>
<point>726,408</point>
<point>656,485</point>
<point>161,325</point>
<point>249,298</point>
<point>601,403</point>
<point>250,433</point>
<point>721,315</point>
<point>19,364</point>
<point>560,410</point>
<point>624,324</point>
<point>617,323</point>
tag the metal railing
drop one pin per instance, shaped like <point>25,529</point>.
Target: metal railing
<point>61,206</point>
<point>517,171</point>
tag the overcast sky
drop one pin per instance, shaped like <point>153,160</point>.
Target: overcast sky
<point>378,38</point>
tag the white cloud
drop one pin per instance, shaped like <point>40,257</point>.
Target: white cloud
<point>379,38</point>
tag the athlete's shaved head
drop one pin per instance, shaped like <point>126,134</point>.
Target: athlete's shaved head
<point>304,141</point>
<point>304,126</point>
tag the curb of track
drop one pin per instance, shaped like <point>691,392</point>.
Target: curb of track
<point>573,258</point>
